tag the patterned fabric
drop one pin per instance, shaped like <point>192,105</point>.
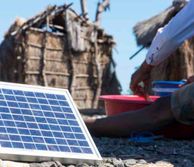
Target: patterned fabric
<point>182,104</point>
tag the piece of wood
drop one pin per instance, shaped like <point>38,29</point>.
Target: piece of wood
<point>84,8</point>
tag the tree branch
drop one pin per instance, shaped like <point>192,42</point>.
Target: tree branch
<point>103,6</point>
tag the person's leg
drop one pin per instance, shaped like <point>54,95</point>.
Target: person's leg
<point>152,117</point>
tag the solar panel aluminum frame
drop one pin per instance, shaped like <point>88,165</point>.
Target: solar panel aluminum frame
<point>39,156</point>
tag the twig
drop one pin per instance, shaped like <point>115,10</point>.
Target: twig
<point>103,6</point>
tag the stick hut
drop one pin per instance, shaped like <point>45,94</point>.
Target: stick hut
<point>59,48</point>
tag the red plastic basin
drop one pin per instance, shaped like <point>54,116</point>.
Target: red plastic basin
<point>115,104</point>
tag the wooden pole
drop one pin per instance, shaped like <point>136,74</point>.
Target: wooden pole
<point>84,8</point>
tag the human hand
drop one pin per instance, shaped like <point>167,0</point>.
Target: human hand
<point>142,75</point>
<point>190,80</point>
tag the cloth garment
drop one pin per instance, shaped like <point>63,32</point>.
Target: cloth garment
<point>170,37</point>
<point>182,104</point>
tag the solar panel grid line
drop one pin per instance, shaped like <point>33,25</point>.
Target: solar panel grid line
<point>31,109</point>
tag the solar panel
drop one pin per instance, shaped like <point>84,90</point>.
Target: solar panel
<point>41,124</point>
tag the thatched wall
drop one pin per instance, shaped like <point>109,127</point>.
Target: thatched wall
<point>71,54</point>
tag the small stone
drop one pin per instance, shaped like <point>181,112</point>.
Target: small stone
<point>130,162</point>
<point>118,162</point>
<point>142,161</point>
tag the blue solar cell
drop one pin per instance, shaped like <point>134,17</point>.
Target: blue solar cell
<point>26,112</point>
<point>7,91</point>
<point>73,123</point>
<point>4,137</point>
<point>70,116</point>
<point>62,122</point>
<point>42,101</point>
<point>1,96</point>
<point>15,137</point>
<point>60,97</point>
<point>29,94</point>
<point>53,148</point>
<point>32,125</point>
<point>41,147</point>
<point>12,104</point>
<point>5,144</point>
<point>18,92</point>
<point>64,149</point>
<point>48,114</point>
<point>27,139</point>
<point>60,115</point>
<point>51,121</point>
<point>53,102</point>
<point>35,132</point>
<point>86,150</point>
<point>56,108</point>
<point>38,139</point>
<point>79,136</point>
<point>69,135</point>
<point>2,130</point>
<point>17,145</point>
<point>61,141</point>
<point>50,96</point>
<point>21,124</point>
<point>4,109</point>
<point>32,100</point>
<point>41,120</point>
<point>75,149</point>
<point>29,146</point>
<point>38,94</point>
<point>15,110</point>
<point>76,129</point>
<point>12,130</point>
<point>54,127</point>
<point>44,126</point>
<point>38,113</point>
<point>66,128</point>
<point>9,123</point>
<point>1,123</point>
<point>83,143</point>
<point>24,131</point>
<point>10,97</point>
<point>29,118</point>
<point>18,117</point>
<point>6,116</point>
<point>63,103</point>
<point>47,133</point>
<point>66,109</point>
<point>20,98</point>
<point>49,140</point>
<point>72,142</point>
<point>58,134</point>
<point>3,103</point>
<point>45,107</point>
<point>23,105</point>
<point>35,107</point>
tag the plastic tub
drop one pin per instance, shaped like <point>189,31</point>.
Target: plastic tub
<point>165,88</point>
<point>115,104</point>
